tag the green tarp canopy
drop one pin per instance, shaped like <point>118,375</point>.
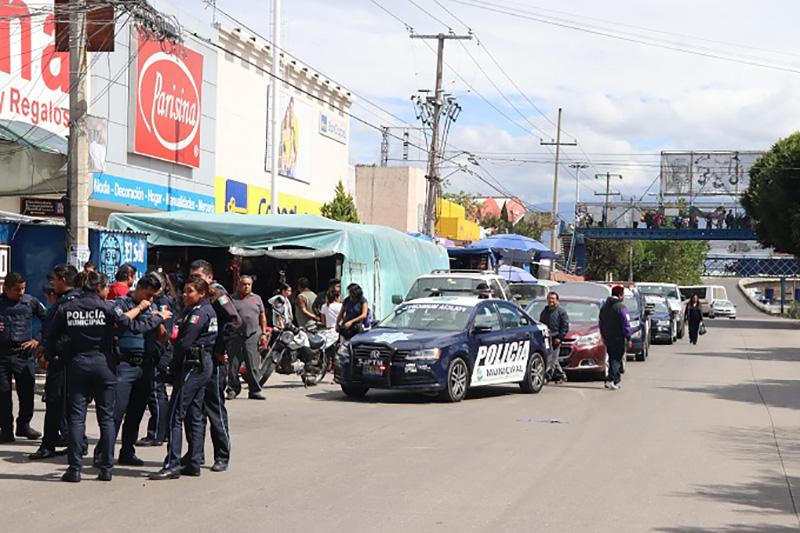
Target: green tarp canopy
<point>382,260</point>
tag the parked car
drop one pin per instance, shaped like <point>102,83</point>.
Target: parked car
<point>663,326</point>
<point>454,282</point>
<point>706,294</point>
<point>722,308</point>
<point>583,351</point>
<point>675,301</point>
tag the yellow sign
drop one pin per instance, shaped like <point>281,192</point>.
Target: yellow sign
<point>238,197</point>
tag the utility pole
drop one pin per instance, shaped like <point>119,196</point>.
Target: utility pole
<point>608,194</point>
<point>384,146</point>
<point>275,122</point>
<point>578,167</point>
<point>78,160</point>
<point>558,144</point>
<point>433,154</point>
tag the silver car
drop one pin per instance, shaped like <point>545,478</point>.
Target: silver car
<point>722,308</point>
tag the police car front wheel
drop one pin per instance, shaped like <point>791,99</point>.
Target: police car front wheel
<point>534,375</point>
<point>457,381</point>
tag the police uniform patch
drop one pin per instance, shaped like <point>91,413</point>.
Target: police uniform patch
<point>212,325</point>
<point>118,311</point>
<point>223,299</point>
<point>194,320</point>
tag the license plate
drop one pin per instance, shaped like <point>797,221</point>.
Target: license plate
<point>373,369</point>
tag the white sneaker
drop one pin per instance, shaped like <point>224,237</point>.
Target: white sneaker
<point>614,386</point>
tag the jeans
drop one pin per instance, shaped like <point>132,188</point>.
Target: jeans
<point>16,366</point>
<point>616,351</point>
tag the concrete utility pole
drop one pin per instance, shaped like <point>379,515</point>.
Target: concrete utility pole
<point>558,144</point>
<point>578,167</point>
<point>608,194</point>
<point>78,189</point>
<point>275,122</point>
<point>433,154</point>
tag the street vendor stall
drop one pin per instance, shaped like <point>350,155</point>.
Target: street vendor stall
<point>382,260</point>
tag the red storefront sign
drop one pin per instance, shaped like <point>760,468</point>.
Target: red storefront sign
<point>168,96</point>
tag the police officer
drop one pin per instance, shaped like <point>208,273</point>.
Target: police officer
<point>158,351</point>
<point>230,325</point>
<point>55,354</point>
<point>17,346</point>
<point>91,323</point>
<point>134,371</point>
<point>194,362</point>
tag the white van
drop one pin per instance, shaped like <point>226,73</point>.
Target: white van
<point>706,293</point>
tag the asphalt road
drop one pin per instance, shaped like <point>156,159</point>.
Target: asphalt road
<point>703,438</point>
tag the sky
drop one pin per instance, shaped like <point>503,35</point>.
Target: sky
<point>623,102</point>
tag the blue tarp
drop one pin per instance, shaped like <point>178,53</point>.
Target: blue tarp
<point>511,242</point>
<point>382,260</point>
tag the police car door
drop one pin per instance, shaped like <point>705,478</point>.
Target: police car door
<point>490,343</point>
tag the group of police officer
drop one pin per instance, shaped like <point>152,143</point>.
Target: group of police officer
<point>119,354</point>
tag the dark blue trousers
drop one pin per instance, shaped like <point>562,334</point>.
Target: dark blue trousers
<point>158,405</point>
<point>55,388</point>
<point>91,376</point>
<point>217,415</point>
<point>186,408</point>
<point>133,390</point>
<point>16,366</point>
<point>616,351</point>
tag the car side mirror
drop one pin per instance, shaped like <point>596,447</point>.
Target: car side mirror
<point>397,299</point>
<point>516,297</point>
<point>479,330</point>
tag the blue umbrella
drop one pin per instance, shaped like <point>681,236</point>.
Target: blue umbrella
<point>515,274</point>
<point>514,242</point>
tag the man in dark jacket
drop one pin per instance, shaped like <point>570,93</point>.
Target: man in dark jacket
<point>556,319</point>
<point>615,327</point>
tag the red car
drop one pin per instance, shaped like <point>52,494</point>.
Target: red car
<point>582,351</point>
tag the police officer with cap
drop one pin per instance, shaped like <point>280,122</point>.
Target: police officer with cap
<point>55,354</point>
<point>17,346</point>
<point>134,371</point>
<point>194,362</point>
<point>91,323</point>
<point>230,325</point>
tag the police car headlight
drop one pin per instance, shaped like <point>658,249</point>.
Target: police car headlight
<point>662,323</point>
<point>588,340</point>
<point>634,323</point>
<point>431,354</point>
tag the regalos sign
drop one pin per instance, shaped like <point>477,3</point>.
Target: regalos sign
<point>168,96</point>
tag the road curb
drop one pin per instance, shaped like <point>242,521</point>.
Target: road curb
<point>755,303</point>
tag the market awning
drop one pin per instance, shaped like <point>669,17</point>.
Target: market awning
<point>30,136</point>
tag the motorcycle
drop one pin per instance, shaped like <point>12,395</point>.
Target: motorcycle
<point>305,352</point>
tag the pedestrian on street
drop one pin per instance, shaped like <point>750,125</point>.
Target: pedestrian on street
<point>334,284</point>
<point>124,280</point>
<point>694,314</point>
<point>158,354</point>
<point>245,346</point>
<point>556,319</point>
<point>138,317</point>
<point>305,303</point>
<point>282,316</point>
<point>56,356</point>
<point>91,323</point>
<point>17,348</point>
<point>331,309</point>
<point>194,347</point>
<point>353,314</point>
<point>615,328</point>
<point>229,325</point>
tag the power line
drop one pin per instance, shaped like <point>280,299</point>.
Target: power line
<point>431,15</point>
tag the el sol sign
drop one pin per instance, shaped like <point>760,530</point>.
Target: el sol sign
<point>168,96</point>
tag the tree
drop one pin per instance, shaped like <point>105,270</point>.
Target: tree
<point>679,262</point>
<point>342,207</point>
<point>772,199</point>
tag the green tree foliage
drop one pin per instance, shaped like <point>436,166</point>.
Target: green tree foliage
<point>342,207</point>
<point>773,198</point>
<point>678,262</point>
<point>467,201</point>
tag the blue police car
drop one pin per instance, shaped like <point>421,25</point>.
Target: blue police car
<point>446,345</point>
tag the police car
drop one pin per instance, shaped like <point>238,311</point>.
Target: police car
<point>446,345</point>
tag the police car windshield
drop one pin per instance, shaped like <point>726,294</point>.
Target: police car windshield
<point>428,316</point>
<point>583,312</point>
<point>423,287</point>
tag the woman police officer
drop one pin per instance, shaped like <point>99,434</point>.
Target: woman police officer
<point>193,361</point>
<point>90,322</point>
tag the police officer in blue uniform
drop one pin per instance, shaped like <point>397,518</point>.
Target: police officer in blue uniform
<point>134,370</point>
<point>91,323</point>
<point>194,362</point>
<point>17,346</point>
<point>63,285</point>
<point>158,352</point>
<point>230,325</point>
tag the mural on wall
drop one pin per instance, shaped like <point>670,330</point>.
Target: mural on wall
<point>298,127</point>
